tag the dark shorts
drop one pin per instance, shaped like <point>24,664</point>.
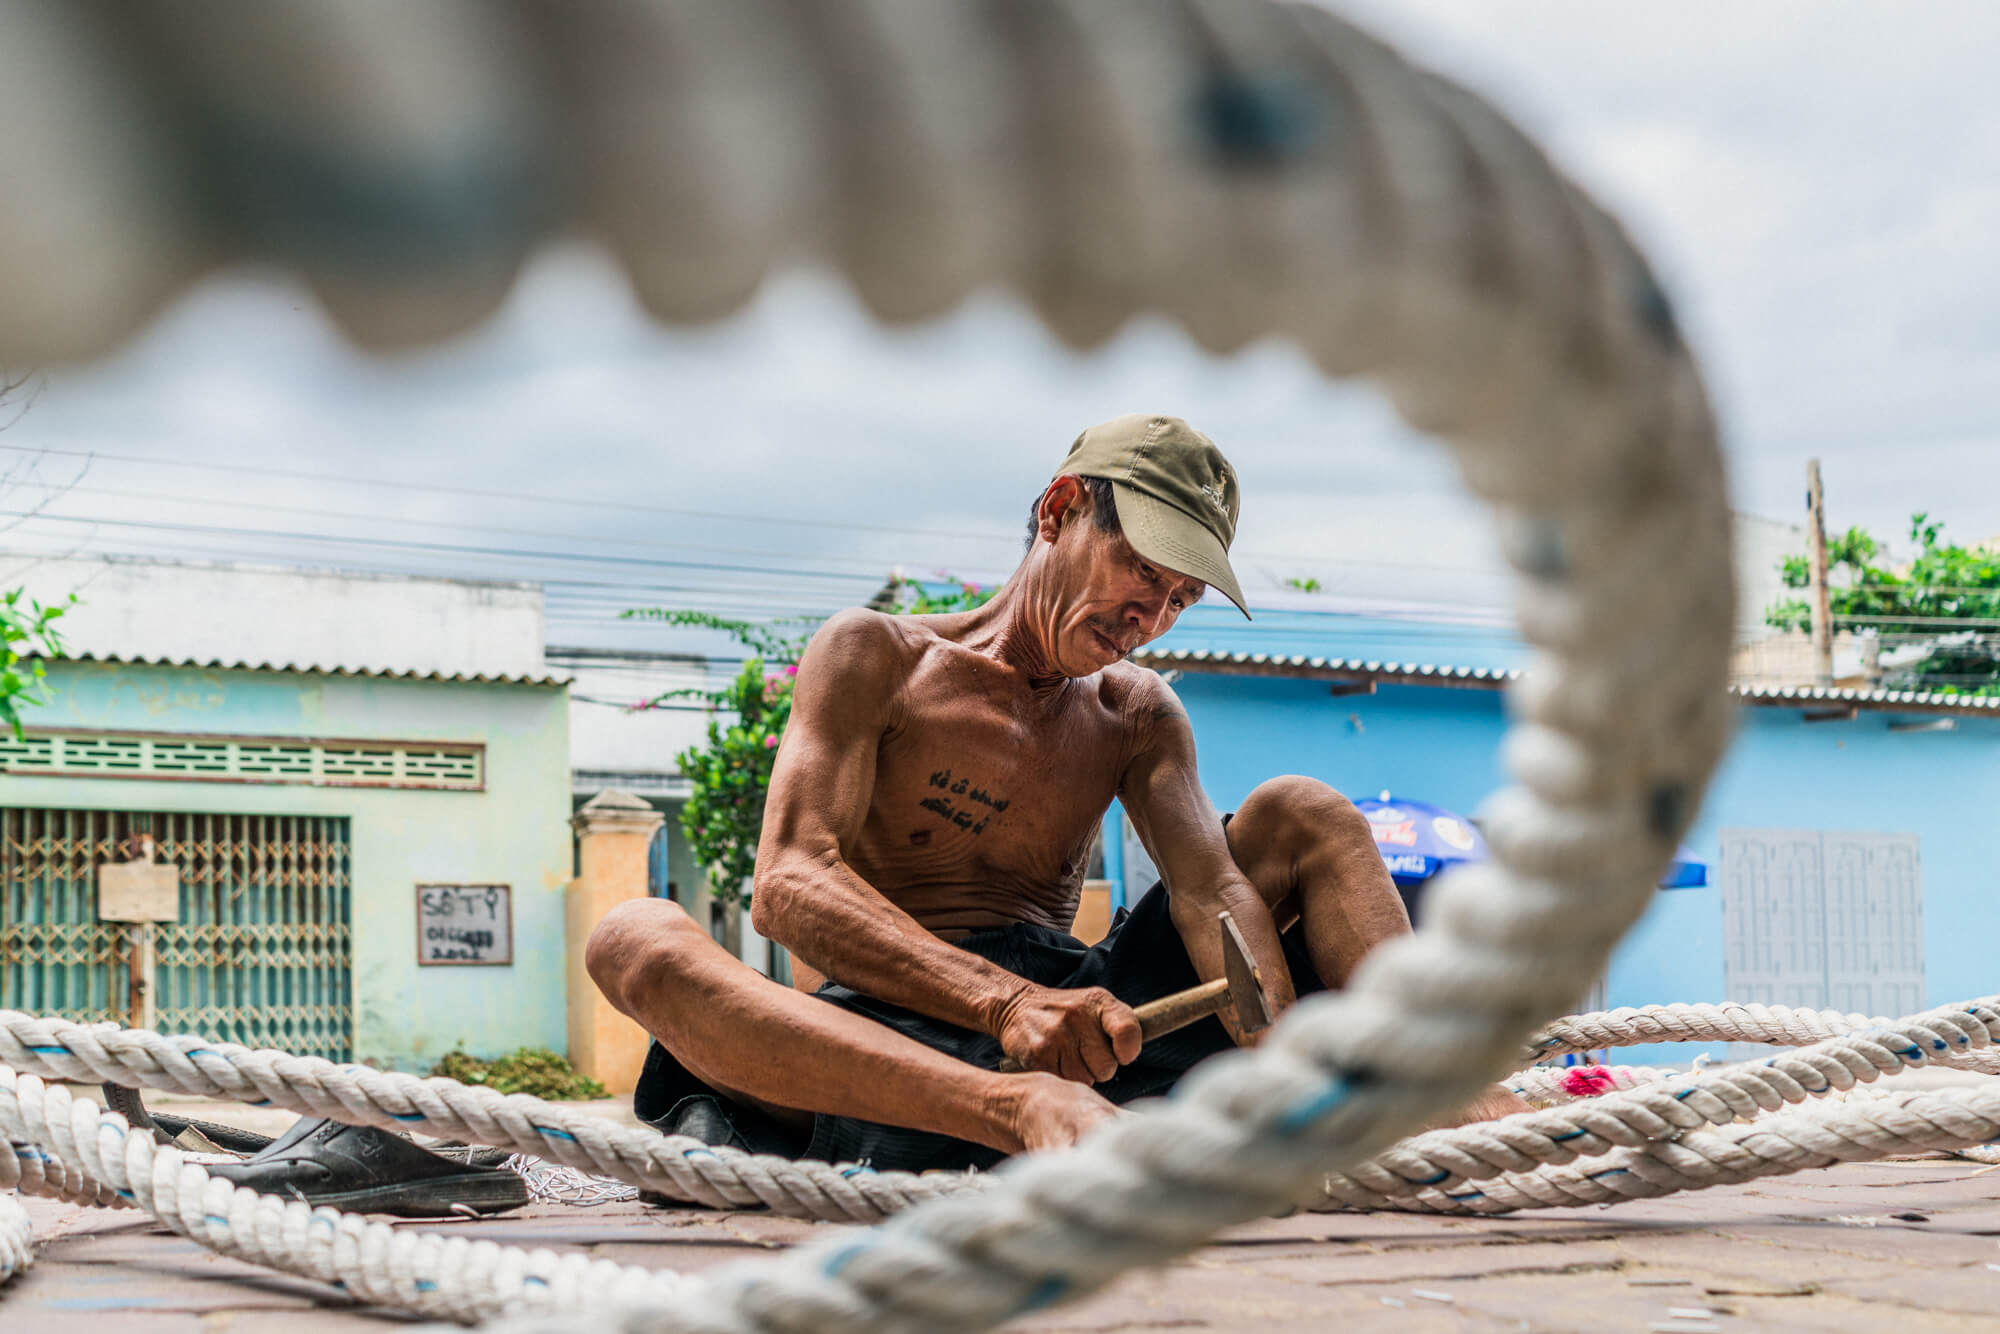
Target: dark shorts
<point>1141,959</point>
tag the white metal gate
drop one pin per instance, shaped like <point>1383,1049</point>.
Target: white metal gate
<point>1823,919</point>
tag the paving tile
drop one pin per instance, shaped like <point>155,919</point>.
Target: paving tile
<point>687,1259</point>
<point>1969,1290</point>
<point>1179,1299</point>
<point>1554,1270</point>
<point>1408,1264</point>
<point>1715,1260</point>
<point>27,1320</point>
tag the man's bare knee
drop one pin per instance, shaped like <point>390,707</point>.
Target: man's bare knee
<point>1286,819</point>
<point>642,940</point>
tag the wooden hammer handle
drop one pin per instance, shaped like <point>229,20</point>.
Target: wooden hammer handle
<point>1162,1016</point>
<point>1181,1009</point>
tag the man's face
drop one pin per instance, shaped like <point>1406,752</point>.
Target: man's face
<point>1111,599</point>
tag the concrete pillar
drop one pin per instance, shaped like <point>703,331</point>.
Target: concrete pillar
<point>614,832</point>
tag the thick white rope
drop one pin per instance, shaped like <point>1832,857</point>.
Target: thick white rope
<point>1889,1121</point>
<point>1432,1172</point>
<point>1649,1144</point>
<point>1251,169</point>
<point>1729,1021</point>
<point>449,1277</point>
<point>1549,1085</point>
<point>675,1165</point>
<point>17,1242</point>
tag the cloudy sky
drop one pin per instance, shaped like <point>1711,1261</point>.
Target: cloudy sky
<point>1819,182</point>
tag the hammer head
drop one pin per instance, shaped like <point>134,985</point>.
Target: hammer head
<point>1246,986</point>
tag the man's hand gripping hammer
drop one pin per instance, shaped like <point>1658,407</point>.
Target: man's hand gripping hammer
<point>1239,990</point>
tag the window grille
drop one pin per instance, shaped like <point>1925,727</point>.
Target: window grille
<point>449,767</point>
<point>261,953</point>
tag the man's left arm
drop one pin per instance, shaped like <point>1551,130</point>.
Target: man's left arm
<point>1163,798</point>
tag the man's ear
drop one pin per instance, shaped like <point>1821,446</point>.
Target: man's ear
<point>1066,497</point>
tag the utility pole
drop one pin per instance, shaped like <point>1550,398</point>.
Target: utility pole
<point>1822,612</point>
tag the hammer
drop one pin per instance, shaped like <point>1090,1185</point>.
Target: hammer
<point>1240,987</point>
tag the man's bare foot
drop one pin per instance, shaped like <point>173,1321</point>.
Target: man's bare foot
<point>1491,1105</point>
<point>1054,1113</point>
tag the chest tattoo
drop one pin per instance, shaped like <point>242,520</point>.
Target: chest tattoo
<point>956,801</point>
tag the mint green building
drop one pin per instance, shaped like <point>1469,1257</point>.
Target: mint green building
<point>329,830</point>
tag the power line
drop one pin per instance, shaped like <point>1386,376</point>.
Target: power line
<point>740,594</point>
<point>558,535</point>
<point>444,547</point>
<point>1011,539</point>
<point>337,479</point>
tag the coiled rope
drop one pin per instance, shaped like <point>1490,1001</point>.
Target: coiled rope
<point>1677,1133</point>
<point>1247,168</point>
<point>1654,1131</point>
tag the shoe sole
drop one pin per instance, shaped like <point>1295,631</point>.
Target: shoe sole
<point>488,1192</point>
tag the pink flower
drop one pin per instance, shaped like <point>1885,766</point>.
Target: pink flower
<point>791,669</point>
<point>770,743</point>
<point>971,588</point>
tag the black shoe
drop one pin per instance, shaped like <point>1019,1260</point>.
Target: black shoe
<point>702,1117</point>
<point>167,1129</point>
<point>365,1170</point>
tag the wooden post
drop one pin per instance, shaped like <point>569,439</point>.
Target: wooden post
<point>614,836</point>
<point>1822,612</point>
<point>140,1006</point>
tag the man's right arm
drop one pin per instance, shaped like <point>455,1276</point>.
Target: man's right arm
<point>808,899</point>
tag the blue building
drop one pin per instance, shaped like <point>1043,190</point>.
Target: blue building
<point>1850,833</point>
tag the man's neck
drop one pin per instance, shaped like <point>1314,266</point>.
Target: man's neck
<point>1014,628</point>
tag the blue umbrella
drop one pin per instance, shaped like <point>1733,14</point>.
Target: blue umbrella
<point>1688,871</point>
<point>1417,840</point>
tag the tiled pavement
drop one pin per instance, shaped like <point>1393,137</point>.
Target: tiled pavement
<point>1905,1245</point>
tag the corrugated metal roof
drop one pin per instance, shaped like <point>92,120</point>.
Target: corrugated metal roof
<point>1300,667</point>
<point>1810,696</point>
<point>315,669</point>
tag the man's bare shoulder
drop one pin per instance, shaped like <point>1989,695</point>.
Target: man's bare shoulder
<point>1139,695</point>
<point>862,644</point>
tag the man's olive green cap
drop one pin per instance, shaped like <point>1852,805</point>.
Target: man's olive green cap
<point>1177,496</point>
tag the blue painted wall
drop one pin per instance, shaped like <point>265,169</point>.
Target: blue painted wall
<point>516,832</point>
<point>1216,626</point>
<point>1441,745</point>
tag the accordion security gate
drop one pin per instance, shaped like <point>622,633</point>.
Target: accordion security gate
<point>261,954</point>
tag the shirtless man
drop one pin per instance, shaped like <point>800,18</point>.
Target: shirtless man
<point>930,813</point>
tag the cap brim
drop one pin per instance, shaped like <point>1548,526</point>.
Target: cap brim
<point>1168,536</point>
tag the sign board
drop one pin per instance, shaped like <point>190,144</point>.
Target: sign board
<point>145,891</point>
<point>465,924</point>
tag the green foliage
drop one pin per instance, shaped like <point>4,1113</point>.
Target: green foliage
<point>1949,595</point>
<point>731,774</point>
<point>767,639</point>
<point>731,771</point>
<point>1305,585</point>
<point>534,1070</point>
<point>913,597</point>
<point>27,635</point>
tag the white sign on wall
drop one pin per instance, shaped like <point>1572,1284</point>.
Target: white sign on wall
<point>465,924</point>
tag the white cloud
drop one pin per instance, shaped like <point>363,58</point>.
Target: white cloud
<point>1815,179</point>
